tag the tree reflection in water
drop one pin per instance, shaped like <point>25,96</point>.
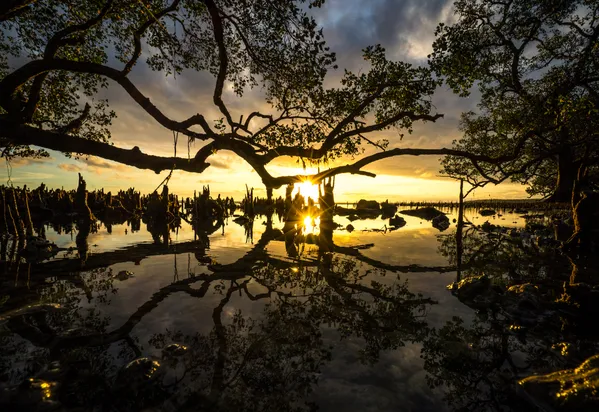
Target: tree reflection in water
<point>71,357</point>
<point>265,362</point>
<point>478,363</point>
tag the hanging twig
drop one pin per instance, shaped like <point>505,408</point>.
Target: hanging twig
<point>168,178</point>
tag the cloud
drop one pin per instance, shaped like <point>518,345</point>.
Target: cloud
<point>28,161</point>
<point>95,162</point>
<point>68,167</point>
<point>95,165</point>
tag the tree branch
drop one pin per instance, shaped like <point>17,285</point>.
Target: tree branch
<point>14,80</point>
<point>28,135</point>
<point>12,8</point>
<point>154,18</point>
<point>219,36</point>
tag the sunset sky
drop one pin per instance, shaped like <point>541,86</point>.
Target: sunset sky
<point>405,28</point>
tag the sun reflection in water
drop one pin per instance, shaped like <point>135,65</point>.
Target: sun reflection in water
<point>310,224</point>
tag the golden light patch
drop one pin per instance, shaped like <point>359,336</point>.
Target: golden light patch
<point>311,224</point>
<point>307,189</point>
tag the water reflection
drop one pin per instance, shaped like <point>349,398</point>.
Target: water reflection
<point>268,361</point>
<point>195,328</point>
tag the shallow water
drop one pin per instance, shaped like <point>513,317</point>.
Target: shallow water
<point>370,326</point>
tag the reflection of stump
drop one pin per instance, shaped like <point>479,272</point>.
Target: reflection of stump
<point>289,232</point>
<point>325,237</point>
<point>288,199</point>
<point>84,228</point>
<point>164,203</point>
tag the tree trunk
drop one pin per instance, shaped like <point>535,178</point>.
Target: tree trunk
<point>15,215</point>
<point>83,211</point>
<point>585,214</point>
<point>459,233</point>
<point>27,216</point>
<point>567,169</point>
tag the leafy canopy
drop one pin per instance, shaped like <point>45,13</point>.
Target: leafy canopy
<point>536,66</point>
<point>58,55</point>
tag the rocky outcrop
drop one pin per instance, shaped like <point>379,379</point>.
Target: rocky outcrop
<point>566,390</point>
<point>428,213</point>
<point>474,291</point>
<point>368,204</point>
<point>38,249</point>
<point>441,222</point>
<point>388,209</point>
<point>397,221</point>
<point>487,212</point>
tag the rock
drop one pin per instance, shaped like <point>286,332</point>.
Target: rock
<point>525,296</point>
<point>138,373</point>
<point>474,291</point>
<point>350,228</point>
<point>566,390</point>
<point>487,212</point>
<point>368,204</point>
<point>397,221</point>
<point>201,257</point>
<point>30,310</point>
<point>470,286</point>
<point>388,209</point>
<point>241,220</point>
<point>38,249</point>
<point>344,211</point>
<point>36,395</point>
<point>441,222</point>
<point>428,213</point>
<point>487,227</point>
<point>123,275</point>
<point>174,350</point>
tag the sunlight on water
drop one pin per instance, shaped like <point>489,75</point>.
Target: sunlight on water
<point>311,224</point>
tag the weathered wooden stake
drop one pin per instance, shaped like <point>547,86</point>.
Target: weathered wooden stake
<point>459,232</point>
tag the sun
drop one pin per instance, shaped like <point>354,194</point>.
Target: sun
<point>307,189</point>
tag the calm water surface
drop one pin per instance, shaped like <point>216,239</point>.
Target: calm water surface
<point>364,328</point>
